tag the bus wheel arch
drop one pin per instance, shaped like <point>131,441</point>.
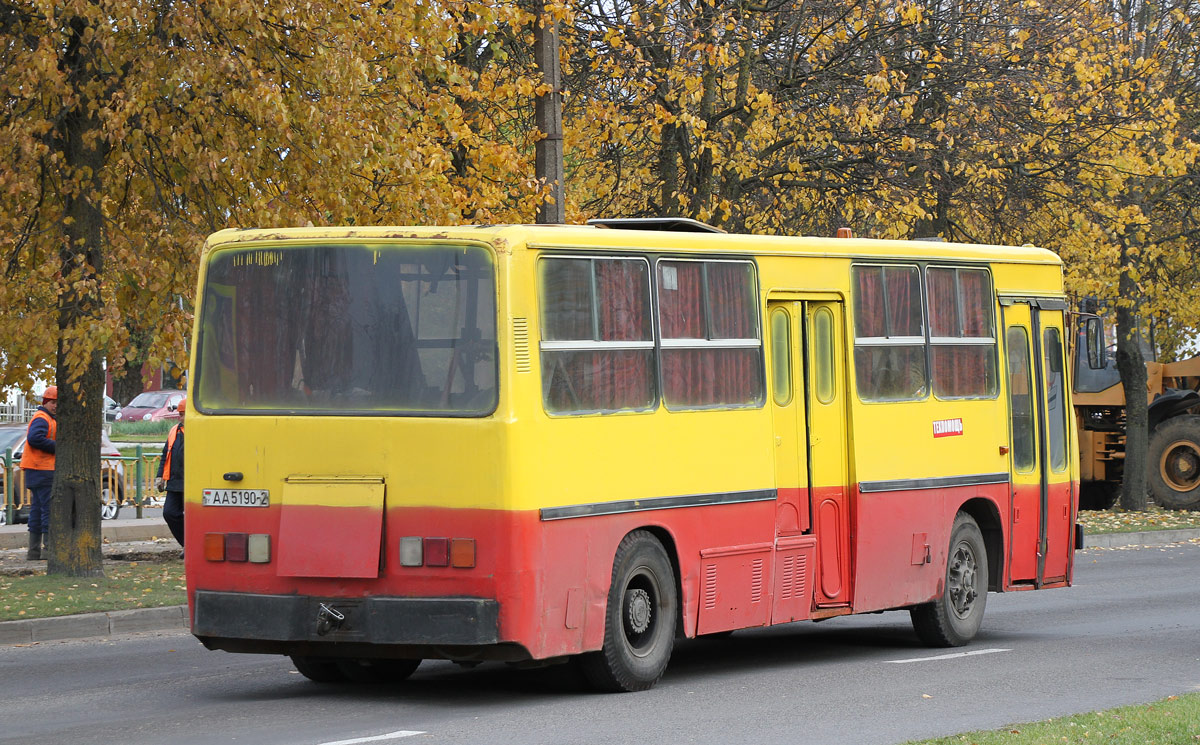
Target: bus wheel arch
<point>987,517</point>
<point>953,618</point>
<point>641,616</point>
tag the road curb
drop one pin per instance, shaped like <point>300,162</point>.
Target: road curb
<point>1140,538</point>
<point>91,625</point>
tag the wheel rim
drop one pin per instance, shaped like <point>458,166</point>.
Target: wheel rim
<point>961,580</point>
<point>639,611</point>
<point>1180,465</point>
<point>109,507</point>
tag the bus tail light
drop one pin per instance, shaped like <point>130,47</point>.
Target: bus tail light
<point>254,548</point>
<point>410,552</point>
<point>437,552</point>
<point>237,546</point>
<point>416,551</point>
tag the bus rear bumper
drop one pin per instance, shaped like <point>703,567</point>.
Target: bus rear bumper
<point>440,627</point>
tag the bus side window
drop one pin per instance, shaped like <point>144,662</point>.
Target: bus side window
<point>597,344</point>
<point>889,334</point>
<point>781,357</point>
<point>962,340</point>
<point>709,323</point>
<point>1021,391</point>
<point>1056,410</point>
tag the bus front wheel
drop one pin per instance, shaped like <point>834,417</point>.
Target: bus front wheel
<point>953,619</point>
<point>639,628</point>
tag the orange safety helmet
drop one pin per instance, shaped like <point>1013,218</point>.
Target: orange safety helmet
<point>50,394</point>
<point>182,407</point>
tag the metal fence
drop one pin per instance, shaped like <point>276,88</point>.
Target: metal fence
<point>20,411</point>
<point>127,481</point>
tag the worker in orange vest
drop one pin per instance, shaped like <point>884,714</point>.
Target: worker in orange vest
<point>170,476</point>
<point>37,462</point>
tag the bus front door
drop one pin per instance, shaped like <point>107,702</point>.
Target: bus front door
<point>1042,510</point>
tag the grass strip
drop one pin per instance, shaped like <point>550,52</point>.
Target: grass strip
<point>1116,520</point>
<point>1173,721</point>
<point>125,586</point>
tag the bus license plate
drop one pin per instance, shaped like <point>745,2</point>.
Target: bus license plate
<point>237,497</point>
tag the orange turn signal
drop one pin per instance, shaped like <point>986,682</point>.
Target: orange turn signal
<point>214,546</point>
<point>462,553</point>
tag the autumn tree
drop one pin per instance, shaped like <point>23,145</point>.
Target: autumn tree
<point>132,128</point>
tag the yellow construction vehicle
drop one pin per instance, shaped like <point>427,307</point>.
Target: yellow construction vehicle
<point>1173,390</point>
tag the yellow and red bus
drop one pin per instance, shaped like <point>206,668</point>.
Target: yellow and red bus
<point>540,443</point>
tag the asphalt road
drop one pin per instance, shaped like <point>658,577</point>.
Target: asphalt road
<point>1128,632</point>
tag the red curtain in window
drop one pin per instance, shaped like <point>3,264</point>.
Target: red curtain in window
<point>735,376</point>
<point>625,378</point>
<point>868,302</point>
<point>710,376</point>
<point>602,379</point>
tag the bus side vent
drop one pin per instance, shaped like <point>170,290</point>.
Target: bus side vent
<point>791,576</point>
<point>710,586</point>
<point>756,581</point>
<point>521,345</point>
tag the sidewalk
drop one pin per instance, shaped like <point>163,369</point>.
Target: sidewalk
<point>131,540</point>
<point>124,540</point>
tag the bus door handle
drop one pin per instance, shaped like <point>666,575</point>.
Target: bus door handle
<point>233,476</point>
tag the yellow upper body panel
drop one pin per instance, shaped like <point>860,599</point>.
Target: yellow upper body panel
<point>521,457</point>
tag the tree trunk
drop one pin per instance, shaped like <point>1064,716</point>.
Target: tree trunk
<point>74,538</point>
<point>1131,364</point>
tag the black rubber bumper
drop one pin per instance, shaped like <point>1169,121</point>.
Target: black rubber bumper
<point>379,620</point>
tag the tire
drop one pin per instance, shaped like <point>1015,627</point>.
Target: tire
<point>110,506</point>
<point>1098,495</point>
<point>953,619</point>
<point>319,670</point>
<point>377,671</point>
<point>639,626</point>
<point>1174,463</point>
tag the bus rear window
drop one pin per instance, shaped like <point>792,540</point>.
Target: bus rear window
<point>364,329</point>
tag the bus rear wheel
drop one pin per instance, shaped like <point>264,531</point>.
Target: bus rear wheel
<point>953,619</point>
<point>377,671</point>
<point>1174,472</point>
<point>319,670</point>
<point>639,628</point>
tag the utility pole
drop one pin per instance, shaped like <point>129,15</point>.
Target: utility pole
<point>549,153</point>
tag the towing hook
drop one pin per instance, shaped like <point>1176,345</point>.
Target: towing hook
<point>328,620</point>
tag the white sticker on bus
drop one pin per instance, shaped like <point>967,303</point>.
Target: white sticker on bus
<point>947,427</point>
<point>237,497</point>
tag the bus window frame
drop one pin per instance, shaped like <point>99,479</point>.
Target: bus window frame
<point>933,341</point>
<point>720,343</point>
<point>598,345</point>
<point>889,341</point>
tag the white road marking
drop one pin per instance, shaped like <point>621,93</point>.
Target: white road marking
<point>376,738</point>
<point>951,656</point>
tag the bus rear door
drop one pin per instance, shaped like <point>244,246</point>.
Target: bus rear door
<point>808,406</point>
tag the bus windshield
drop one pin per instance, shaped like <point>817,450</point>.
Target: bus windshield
<point>383,329</point>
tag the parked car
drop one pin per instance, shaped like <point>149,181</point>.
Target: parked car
<point>152,406</point>
<point>111,409</point>
<point>112,474</point>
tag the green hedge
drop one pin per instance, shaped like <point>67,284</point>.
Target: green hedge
<point>142,429</point>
